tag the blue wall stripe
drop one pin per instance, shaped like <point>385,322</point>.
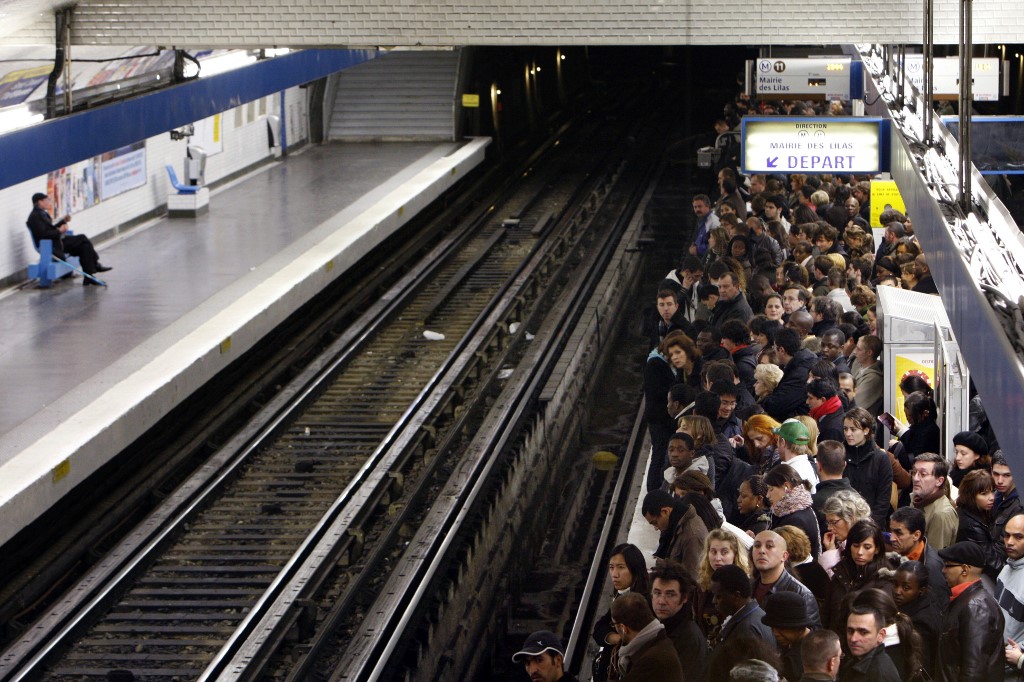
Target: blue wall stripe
<point>53,144</point>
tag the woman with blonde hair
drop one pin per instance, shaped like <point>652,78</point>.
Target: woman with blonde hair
<point>721,548</point>
<point>762,443</point>
<point>766,379</point>
<point>702,431</point>
<point>812,429</point>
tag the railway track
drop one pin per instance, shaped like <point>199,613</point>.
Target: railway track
<point>320,478</point>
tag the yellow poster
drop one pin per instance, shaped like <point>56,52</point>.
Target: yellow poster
<point>885,194</point>
<point>922,364</point>
<point>471,101</point>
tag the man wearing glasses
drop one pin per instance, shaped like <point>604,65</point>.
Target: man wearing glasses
<point>971,644</point>
<point>929,481</point>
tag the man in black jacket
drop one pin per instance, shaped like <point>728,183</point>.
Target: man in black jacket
<point>971,645</point>
<point>732,304</point>
<point>671,588</point>
<point>865,636</point>
<point>41,225</point>
<point>789,397</point>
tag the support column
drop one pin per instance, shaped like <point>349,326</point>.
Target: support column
<point>966,100</point>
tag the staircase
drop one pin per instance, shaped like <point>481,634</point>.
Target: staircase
<point>402,96</point>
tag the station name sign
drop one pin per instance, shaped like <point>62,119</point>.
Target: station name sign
<point>807,78</point>
<point>823,144</point>
<point>946,77</point>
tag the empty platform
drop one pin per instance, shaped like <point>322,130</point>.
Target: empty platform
<point>86,370</point>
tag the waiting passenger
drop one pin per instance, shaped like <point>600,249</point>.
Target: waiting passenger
<point>40,224</point>
<point>791,503</point>
<point>912,596</point>
<point>752,505</point>
<point>869,378</point>
<point>788,398</point>
<point>820,653</point>
<point>681,457</point>
<point>907,537</point>
<point>863,558</point>
<point>930,496</point>
<point>786,614</point>
<point>682,529</point>
<point>770,554</point>
<point>971,455</point>
<point>645,653</point>
<point>628,570</point>
<point>974,502</point>
<point>830,463</point>
<point>721,548</point>
<point>733,600</point>
<point>803,566</point>
<point>1006,507</point>
<point>543,657</point>
<point>869,469</point>
<point>671,589</point>
<point>971,645</point>
<point>794,450</point>
<point>668,318</point>
<point>826,408</point>
<point>865,637</point>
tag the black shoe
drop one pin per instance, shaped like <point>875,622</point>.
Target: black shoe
<point>90,282</point>
<point>103,268</point>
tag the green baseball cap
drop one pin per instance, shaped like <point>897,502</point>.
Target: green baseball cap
<point>793,431</point>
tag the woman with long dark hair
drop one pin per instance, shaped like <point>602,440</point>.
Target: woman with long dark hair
<point>863,556</point>
<point>791,501</point>
<point>868,468</point>
<point>974,508</point>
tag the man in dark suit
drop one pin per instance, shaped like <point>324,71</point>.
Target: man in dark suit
<point>41,225</point>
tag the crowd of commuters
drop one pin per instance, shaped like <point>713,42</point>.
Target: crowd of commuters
<point>799,539</point>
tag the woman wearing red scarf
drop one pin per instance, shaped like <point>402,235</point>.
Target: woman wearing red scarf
<point>826,409</point>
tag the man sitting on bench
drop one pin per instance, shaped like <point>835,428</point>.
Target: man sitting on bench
<point>42,227</point>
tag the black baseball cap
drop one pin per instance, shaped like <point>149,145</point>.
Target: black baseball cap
<point>539,642</point>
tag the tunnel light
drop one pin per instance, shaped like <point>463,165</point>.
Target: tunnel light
<point>538,69</point>
<point>227,62</point>
<point>562,56</point>
<point>497,92</point>
<point>14,118</point>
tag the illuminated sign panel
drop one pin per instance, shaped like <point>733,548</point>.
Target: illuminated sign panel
<point>789,144</point>
<point>815,78</point>
<point>946,77</point>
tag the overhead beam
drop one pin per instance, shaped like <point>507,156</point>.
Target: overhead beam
<point>39,149</point>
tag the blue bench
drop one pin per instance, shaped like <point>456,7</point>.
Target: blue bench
<point>182,189</point>
<point>48,270</point>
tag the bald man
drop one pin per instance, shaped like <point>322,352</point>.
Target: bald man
<point>801,321</point>
<point>770,554</point>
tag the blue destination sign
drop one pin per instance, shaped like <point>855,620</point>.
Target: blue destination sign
<point>791,144</point>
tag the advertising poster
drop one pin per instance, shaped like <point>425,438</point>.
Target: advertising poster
<point>920,363</point>
<point>16,86</point>
<point>885,194</point>
<point>84,184</point>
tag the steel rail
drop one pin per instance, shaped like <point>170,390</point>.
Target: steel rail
<point>243,655</point>
<point>375,644</point>
<point>52,631</point>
